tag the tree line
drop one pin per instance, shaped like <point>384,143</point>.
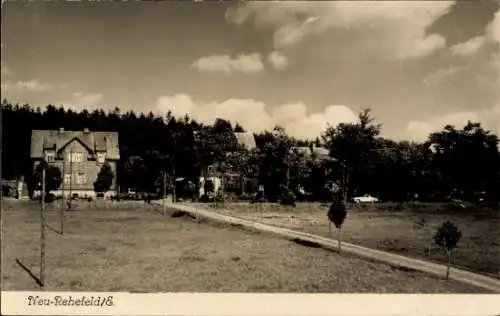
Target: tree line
<point>461,161</point>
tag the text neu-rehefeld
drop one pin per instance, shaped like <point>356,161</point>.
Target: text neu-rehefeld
<point>70,301</point>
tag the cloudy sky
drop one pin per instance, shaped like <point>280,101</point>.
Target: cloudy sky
<point>301,65</point>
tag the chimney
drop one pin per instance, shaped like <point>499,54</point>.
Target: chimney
<point>86,130</point>
<point>61,130</point>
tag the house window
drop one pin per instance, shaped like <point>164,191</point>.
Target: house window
<point>81,178</point>
<point>101,157</point>
<point>67,179</point>
<point>49,156</point>
<point>75,157</point>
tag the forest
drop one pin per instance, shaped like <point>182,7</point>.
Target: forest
<point>457,160</point>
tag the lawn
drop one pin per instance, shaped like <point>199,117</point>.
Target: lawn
<point>393,228</point>
<point>133,247</point>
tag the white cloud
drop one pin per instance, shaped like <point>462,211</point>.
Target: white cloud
<point>32,85</point>
<point>80,101</point>
<point>481,57</point>
<point>493,35</point>
<point>255,116</point>
<point>393,29</point>
<point>496,109</point>
<point>179,104</point>
<point>299,123</point>
<point>246,63</point>
<point>469,47</point>
<point>476,44</point>
<point>277,60</point>
<point>489,118</point>
<point>435,78</point>
<point>493,29</point>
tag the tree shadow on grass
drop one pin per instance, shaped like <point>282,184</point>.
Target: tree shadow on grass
<point>306,243</point>
<point>31,274</point>
<point>54,230</point>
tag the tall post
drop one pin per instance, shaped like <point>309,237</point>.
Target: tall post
<point>288,167</point>
<point>70,179</point>
<point>164,190</point>
<point>173,169</point>
<point>344,184</point>
<point>63,200</point>
<point>222,183</point>
<point>42,233</point>
<point>174,182</point>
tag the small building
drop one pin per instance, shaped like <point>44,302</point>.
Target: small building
<point>79,155</point>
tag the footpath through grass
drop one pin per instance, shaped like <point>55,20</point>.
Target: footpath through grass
<point>132,247</point>
<point>394,228</point>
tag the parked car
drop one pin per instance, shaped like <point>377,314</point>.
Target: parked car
<point>365,199</point>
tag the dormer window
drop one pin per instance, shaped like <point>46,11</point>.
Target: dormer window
<point>50,155</point>
<point>101,157</point>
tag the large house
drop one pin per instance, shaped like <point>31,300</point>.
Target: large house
<point>79,155</point>
<point>232,178</point>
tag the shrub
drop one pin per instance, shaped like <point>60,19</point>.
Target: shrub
<point>246,196</point>
<point>258,197</point>
<point>6,190</point>
<point>399,207</point>
<point>204,198</point>
<point>220,197</point>
<point>447,237</point>
<point>287,197</point>
<point>53,177</point>
<point>104,179</point>
<point>49,198</point>
<point>337,214</point>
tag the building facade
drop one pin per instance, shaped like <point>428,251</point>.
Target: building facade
<point>79,155</point>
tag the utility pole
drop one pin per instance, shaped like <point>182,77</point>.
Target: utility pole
<point>164,191</point>
<point>344,183</point>
<point>288,162</point>
<point>70,179</point>
<point>63,200</point>
<point>174,182</point>
<point>223,172</point>
<point>42,233</point>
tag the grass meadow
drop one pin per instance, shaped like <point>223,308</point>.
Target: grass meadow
<point>405,229</point>
<point>133,247</point>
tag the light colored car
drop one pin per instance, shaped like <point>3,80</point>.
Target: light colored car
<point>365,199</point>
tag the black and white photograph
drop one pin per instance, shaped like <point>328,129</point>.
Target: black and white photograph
<point>250,147</point>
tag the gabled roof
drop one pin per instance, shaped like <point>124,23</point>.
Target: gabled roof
<point>319,152</point>
<point>246,139</point>
<point>56,140</point>
<point>303,150</point>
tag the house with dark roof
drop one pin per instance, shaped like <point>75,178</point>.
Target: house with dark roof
<point>232,179</point>
<point>79,155</point>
